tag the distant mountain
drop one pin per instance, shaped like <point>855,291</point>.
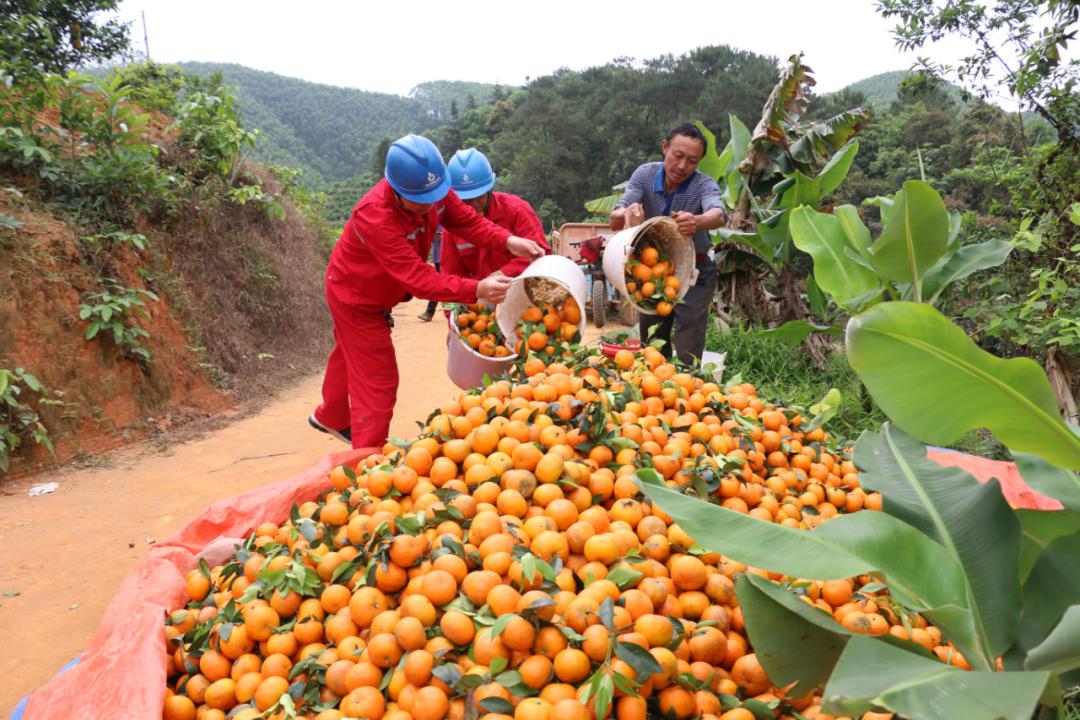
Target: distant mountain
<point>881,89</point>
<point>331,131</point>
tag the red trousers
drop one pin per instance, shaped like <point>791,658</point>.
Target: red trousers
<point>360,386</point>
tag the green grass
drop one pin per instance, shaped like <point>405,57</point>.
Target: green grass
<point>1071,710</point>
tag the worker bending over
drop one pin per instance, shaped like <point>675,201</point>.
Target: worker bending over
<point>472,179</point>
<point>380,261</point>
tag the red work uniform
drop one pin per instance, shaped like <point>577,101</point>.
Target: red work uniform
<point>379,261</point>
<point>463,255</point>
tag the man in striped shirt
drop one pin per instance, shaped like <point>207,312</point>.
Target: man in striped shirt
<point>675,187</point>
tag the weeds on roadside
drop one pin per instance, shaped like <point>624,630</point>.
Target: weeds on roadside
<point>18,419</point>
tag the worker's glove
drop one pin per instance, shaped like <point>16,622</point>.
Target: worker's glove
<point>591,249</point>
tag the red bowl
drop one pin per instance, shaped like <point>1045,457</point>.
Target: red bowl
<point>609,349</point>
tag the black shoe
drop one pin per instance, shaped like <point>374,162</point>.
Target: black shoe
<point>344,436</point>
<point>426,316</point>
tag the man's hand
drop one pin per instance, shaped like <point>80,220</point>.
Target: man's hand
<point>627,217</point>
<point>687,222</point>
<point>493,288</point>
<point>523,247</point>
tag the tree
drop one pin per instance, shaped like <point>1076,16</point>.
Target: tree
<point>1003,33</point>
<point>58,35</point>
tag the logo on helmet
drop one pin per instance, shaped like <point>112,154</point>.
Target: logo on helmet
<point>432,178</point>
<point>465,178</point>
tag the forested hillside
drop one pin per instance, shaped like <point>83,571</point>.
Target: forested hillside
<point>881,89</point>
<point>330,131</point>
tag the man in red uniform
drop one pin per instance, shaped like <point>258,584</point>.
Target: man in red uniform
<point>379,261</point>
<point>472,180</point>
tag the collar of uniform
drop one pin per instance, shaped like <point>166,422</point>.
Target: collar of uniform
<point>658,182</point>
<point>408,218</point>
<point>492,202</point>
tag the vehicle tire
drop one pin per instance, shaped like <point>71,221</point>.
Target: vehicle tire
<point>599,303</point>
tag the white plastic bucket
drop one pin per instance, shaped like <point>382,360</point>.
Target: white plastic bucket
<point>664,232</point>
<point>527,289</point>
<point>466,367</point>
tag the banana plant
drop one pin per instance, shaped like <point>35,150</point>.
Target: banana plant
<point>916,257</point>
<point>781,165</point>
<point>760,222</point>
<point>764,174</point>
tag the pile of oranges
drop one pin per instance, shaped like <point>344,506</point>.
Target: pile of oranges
<point>651,279</point>
<point>549,330</point>
<point>477,328</point>
<point>506,565</point>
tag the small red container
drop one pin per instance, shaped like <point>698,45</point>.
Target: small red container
<point>609,349</point>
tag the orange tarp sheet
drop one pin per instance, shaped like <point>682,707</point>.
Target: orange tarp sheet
<point>1015,490</point>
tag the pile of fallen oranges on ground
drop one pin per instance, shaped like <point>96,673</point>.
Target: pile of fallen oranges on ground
<point>505,564</point>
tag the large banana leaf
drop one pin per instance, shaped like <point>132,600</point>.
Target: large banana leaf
<point>825,237</point>
<point>936,384</point>
<point>875,674</point>
<point>1041,528</point>
<point>914,237</point>
<point>1051,588</point>
<point>1055,482</point>
<point>731,157</point>
<point>924,577</point>
<point>971,520</point>
<point>793,640</point>
<point>857,234</point>
<point>751,241</point>
<point>1060,651</point>
<point>966,261</point>
<point>837,168</point>
<point>740,139</point>
<point>822,139</point>
<point>786,103</point>
<point>803,190</point>
<point>711,163</point>
<point>794,332</point>
<point>604,205</point>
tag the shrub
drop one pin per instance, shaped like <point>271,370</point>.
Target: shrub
<point>111,310</point>
<point>18,420</point>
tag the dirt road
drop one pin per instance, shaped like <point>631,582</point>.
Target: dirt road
<point>65,553</point>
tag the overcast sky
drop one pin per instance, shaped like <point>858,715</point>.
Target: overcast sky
<point>392,46</point>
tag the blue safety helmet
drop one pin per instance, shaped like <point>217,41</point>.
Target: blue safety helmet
<point>416,170</point>
<point>470,173</point>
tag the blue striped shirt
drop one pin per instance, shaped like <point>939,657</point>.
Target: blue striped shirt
<point>697,195</point>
